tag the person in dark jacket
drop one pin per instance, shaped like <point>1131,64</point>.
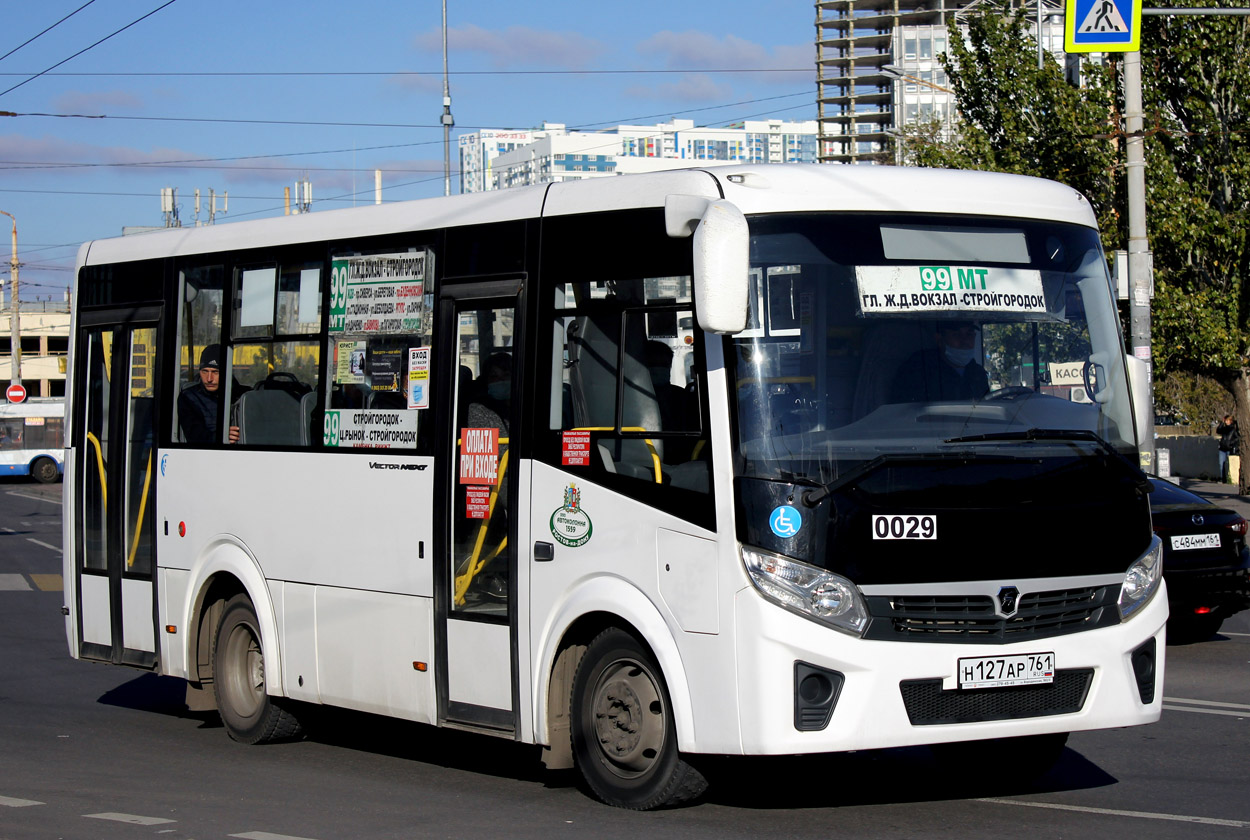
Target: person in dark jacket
<point>1230,443</point>
<point>197,404</point>
<point>947,372</point>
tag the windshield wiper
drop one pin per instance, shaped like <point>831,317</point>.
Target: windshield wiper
<point>813,497</point>
<point>1140,479</point>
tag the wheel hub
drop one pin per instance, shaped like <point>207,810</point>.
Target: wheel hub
<point>617,714</point>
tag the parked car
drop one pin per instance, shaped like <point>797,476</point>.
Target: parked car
<point>1205,560</point>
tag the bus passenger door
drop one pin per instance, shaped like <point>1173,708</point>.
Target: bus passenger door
<point>477,582</point>
<point>114,492</point>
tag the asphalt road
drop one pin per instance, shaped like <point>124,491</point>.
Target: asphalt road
<point>92,751</point>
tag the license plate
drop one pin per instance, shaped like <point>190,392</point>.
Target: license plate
<point>1184,542</point>
<point>1003,671</point>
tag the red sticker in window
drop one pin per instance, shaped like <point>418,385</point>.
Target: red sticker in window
<point>479,456</point>
<point>477,502</point>
<point>576,450</point>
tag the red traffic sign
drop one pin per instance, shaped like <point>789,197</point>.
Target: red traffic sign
<point>15,393</point>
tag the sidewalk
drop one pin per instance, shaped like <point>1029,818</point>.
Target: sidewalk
<point>1224,495</point>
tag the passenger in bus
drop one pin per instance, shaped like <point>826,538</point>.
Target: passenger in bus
<point>488,407</point>
<point>197,404</point>
<point>948,371</point>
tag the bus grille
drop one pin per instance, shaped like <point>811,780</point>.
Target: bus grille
<point>972,619</point>
<point>928,705</point>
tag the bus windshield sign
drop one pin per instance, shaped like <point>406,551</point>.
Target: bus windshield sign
<point>896,290</point>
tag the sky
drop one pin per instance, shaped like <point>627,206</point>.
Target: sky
<point>251,96</point>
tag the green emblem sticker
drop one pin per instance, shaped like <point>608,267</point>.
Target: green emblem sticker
<point>570,525</point>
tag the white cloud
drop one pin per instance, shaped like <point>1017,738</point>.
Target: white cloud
<point>517,46</point>
<point>697,88</point>
<point>96,102</point>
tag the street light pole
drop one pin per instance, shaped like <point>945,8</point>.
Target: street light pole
<point>1139,259</point>
<point>15,356</point>
<point>447,120</point>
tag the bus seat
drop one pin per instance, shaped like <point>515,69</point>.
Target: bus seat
<point>306,405</point>
<point>386,399</point>
<point>886,347</point>
<point>594,353</point>
<point>269,417</point>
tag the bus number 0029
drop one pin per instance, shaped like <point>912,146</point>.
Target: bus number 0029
<point>898,527</point>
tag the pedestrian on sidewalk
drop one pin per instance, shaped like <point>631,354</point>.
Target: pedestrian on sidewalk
<point>1230,442</point>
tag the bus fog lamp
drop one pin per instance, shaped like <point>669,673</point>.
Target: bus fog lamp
<point>811,592</point>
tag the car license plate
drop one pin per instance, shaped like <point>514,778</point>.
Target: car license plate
<point>1002,671</point>
<point>1184,542</point>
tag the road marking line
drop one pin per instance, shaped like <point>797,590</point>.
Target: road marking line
<point>1226,633</point>
<point>132,819</point>
<point>1205,703</point>
<point>1205,711</point>
<point>10,802</point>
<point>36,498</point>
<point>1115,812</point>
<point>265,835</point>
<point>48,583</point>
<point>43,544</point>
<point>7,530</point>
<point>13,583</point>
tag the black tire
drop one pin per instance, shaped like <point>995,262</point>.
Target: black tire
<point>624,739</point>
<point>1002,760</point>
<point>249,714</point>
<point>1187,628</point>
<point>44,470</point>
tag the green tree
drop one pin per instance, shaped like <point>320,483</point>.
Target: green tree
<point>1019,118</point>
<point>1196,88</point>
<point>1015,117</point>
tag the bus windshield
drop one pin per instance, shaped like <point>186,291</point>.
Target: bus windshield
<point>918,336</point>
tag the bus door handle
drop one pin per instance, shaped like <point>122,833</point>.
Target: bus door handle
<point>544,552</point>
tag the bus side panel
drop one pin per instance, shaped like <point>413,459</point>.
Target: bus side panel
<point>310,521</point>
<point>621,570</point>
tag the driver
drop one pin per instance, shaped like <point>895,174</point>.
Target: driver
<point>948,371</point>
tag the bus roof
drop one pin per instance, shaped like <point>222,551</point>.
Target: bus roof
<point>755,188</point>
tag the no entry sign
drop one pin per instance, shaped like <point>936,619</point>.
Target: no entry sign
<point>15,393</point>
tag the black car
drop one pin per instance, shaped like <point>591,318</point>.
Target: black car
<point>1205,561</point>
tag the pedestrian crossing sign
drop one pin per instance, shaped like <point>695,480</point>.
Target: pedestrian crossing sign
<point>1102,26</point>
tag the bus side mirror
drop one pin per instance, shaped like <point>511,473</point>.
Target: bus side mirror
<point>721,258</point>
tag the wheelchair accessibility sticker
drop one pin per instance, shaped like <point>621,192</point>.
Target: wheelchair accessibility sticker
<point>785,521</point>
<point>570,525</point>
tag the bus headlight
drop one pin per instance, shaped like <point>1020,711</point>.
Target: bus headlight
<point>811,592</point>
<point>1141,581</point>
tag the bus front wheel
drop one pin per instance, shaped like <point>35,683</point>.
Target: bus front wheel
<point>249,714</point>
<point>44,470</point>
<point>624,739</point>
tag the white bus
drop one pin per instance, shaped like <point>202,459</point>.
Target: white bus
<point>411,459</point>
<point>32,438</point>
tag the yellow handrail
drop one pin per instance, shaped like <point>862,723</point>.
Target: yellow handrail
<point>99,456</point>
<point>655,456</point>
<point>476,561</point>
<point>143,502</point>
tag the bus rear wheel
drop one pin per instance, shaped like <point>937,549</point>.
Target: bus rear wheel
<point>44,470</point>
<point>249,714</point>
<point>624,739</point>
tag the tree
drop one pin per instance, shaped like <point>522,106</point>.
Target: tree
<point>1019,118</point>
<point>1196,88</point>
<point>1015,117</point>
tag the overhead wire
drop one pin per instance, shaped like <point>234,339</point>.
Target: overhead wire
<point>45,32</point>
<point>91,47</point>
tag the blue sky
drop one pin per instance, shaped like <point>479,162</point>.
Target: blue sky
<point>248,97</point>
